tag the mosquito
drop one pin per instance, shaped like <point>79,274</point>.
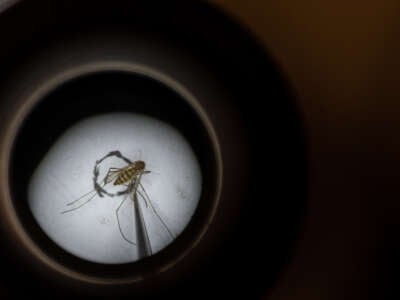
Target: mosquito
<point>129,176</point>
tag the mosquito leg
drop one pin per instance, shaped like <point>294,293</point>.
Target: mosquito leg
<point>128,186</point>
<point>154,210</point>
<point>144,191</point>
<point>73,202</point>
<point>119,224</point>
<point>79,206</point>
<point>88,193</point>
<point>144,198</point>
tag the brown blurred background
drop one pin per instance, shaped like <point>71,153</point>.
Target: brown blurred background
<point>342,57</point>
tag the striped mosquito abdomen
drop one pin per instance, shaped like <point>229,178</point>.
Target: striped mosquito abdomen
<point>130,172</point>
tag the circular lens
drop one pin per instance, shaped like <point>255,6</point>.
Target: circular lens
<point>120,166</point>
<point>103,220</point>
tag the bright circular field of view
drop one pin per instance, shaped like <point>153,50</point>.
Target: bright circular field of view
<point>90,227</point>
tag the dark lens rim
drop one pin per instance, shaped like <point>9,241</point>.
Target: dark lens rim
<point>169,256</point>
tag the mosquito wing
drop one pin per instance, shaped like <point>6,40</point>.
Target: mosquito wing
<point>112,174</point>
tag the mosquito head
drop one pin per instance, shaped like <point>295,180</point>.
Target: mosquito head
<point>140,165</point>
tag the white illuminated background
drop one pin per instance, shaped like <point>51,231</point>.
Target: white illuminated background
<point>65,173</point>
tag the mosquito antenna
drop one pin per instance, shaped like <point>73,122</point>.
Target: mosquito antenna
<point>155,211</point>
<point>119,224</point>
<point>140,153</point>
